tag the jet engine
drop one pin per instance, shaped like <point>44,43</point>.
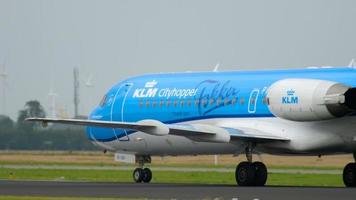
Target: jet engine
<point>310,99</point>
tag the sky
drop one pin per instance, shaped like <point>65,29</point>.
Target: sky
<point>41,41</point>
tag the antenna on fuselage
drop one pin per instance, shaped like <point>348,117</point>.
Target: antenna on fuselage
<point>52,102</point>
<point>352,63</point>
<point>52,96</point>
<point>216,68</point>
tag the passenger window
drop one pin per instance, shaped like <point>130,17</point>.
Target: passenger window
<point>226,101</point>
<point>233,101</point>
<point>189,103</point>
<point>218,101</point>
<point>154,103</point>
<point>175,103</point>
<point>161,103</point>
<point>196,102</point>
<point>182,103</point>
<point>211,101</point>
<point>168,103</point>
<point>140,103</point>
<point>242,101</point>
<point>204,102</point>
<point>147,103</point>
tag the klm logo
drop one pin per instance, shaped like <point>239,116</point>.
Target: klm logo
<point>291,98</point>
<point>148,91</point>
<point>151,84</point>
<point>145,92</point>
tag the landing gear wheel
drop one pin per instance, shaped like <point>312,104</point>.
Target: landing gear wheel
<point>349,175</point>
<point>147,175</point>
<point>245,174</point>
<point>138,175</point>
<point>260,173</point>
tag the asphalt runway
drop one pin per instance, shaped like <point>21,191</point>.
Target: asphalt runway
<point>171,191</point>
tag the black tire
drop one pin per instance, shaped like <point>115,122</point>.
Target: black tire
<point>138,175</point>
<point>245,174</point>
<point>349,175</point>
<point>147,175</point>
<point>260,173</point>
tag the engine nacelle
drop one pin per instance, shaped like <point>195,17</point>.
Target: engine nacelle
<point>310,99</point>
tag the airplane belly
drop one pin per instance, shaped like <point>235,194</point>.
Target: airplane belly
<point>142,143</point>
<point>325,137</point>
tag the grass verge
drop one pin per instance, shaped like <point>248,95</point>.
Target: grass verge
<point>328,180</point>
<point>221,166</point>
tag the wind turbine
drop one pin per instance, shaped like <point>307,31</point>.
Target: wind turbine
<point>88,82</point>
<point>52,102</point>
<point>52,97</point>
<point>3,77</point>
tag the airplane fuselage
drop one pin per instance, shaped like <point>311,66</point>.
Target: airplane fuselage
<point>224,99</point>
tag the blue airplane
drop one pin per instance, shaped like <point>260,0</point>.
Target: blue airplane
<point>282,112</point>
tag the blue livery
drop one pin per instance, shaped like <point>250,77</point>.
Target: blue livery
<point>182,97</point>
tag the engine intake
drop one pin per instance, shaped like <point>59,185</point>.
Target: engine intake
<point>310,99</point>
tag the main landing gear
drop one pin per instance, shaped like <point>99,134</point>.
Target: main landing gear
<point>349,174</point>
<point>251,173</point>
<point>141,174</point>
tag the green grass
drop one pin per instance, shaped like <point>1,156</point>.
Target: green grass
<point>7,162</point>
<point>197,165</point>
<point>319,180</point>
<point>166,177</point>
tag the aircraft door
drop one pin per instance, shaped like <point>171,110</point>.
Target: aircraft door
<point>252,102</point>
<point>118,109</point>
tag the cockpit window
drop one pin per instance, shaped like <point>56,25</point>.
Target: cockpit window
<point>103,101</point>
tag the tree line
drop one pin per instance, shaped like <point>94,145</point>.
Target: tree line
<point>22,135</point>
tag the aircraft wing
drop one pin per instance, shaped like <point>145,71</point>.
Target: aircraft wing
<point>84,122</point>
<point>210,132</point>
<point>197,132</point>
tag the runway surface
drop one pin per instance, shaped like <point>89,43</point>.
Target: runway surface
<point>171,191</point>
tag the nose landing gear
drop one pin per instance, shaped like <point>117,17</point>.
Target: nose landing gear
<point>251,173</point>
